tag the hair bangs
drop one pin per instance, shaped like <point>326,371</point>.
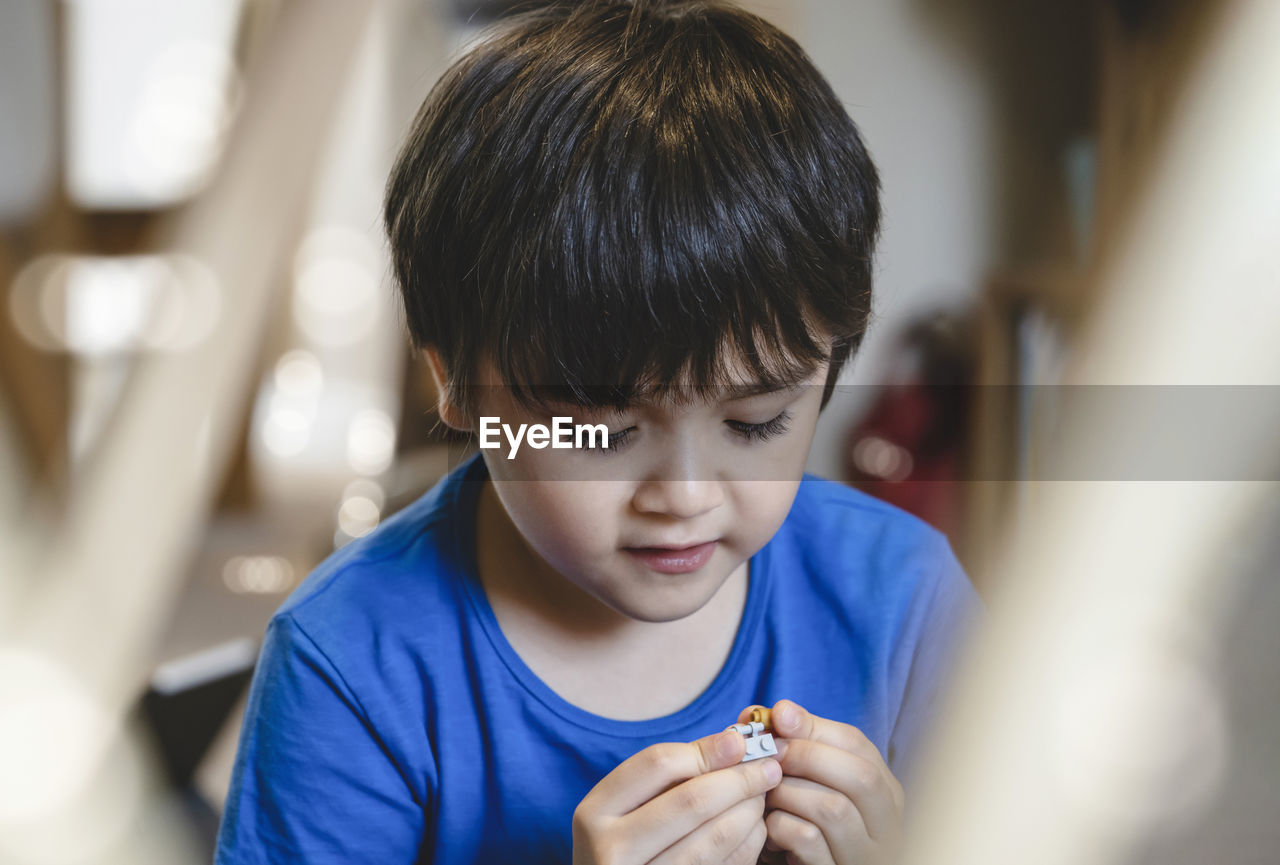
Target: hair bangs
<point>626,359</point>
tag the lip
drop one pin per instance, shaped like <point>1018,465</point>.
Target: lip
<point>674,560</point>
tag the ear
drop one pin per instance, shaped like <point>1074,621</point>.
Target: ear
<point>450,412</point>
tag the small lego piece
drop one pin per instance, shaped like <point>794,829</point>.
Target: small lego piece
<point>759,743</point>
<point>761,715</point>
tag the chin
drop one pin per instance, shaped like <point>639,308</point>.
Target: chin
<point>656,610</point>
<point>657,617</point>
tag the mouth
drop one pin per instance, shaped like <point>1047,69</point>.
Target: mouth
<point>674,560</point>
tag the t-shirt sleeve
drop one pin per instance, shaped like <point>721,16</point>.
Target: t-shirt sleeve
<point>946,616</point>
<point>313,781</point>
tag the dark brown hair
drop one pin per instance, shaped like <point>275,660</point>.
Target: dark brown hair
<point>609,197</point>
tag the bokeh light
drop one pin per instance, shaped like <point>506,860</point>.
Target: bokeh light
<point>96,306</point>
<point>358,516</point>
<point>52,736</point>
<point>259,575</point>
<point>877,457</point>
<point>336,286</point>
<point>188,100</point>
<point>299,375</point>
<point>371,441</point>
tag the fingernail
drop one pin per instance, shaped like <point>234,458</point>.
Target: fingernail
<point>784,716</point>
<point>727,746</point>
<point>772,772</point>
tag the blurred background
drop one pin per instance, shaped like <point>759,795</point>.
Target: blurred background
<point>1071,369</point>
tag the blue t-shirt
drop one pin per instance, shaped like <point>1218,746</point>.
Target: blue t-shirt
<point>390,721</point>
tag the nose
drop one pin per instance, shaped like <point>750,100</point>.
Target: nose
<point>677,489</point>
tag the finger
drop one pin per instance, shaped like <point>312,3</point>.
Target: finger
<point>660,767</point>
<point>718,838</point>
<point>864,785</point>
<point>752,847</point>
<point>680,811</point>
<point>792,721</point>
<point>831,812</point>
<point>803,841</point>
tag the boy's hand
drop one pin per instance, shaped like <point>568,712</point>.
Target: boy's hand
<point>838,803</point>
<point>677,802</point>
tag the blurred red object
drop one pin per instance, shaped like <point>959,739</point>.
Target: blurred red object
<point>908,449</point>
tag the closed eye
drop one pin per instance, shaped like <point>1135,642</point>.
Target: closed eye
<point>752,432</point>
<point>616,441</point>
<point>759,432</point>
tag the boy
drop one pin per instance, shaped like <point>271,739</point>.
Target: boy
<point>654,216</point>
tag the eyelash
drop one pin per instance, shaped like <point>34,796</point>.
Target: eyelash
<point>753,432</point>
<point>619,439</point>
<point>759,432</point>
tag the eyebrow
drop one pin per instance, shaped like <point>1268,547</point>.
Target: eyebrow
<point>759,388</point>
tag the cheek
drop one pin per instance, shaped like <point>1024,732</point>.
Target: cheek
<point>763,505</point>
<point>565,517</point>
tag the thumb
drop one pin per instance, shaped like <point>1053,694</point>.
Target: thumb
<point>719,751</point>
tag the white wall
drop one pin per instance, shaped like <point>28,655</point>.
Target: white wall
<point>926,117</point>
<point>966,107</point>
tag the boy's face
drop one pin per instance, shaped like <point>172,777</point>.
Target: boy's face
<point>683,496</point>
